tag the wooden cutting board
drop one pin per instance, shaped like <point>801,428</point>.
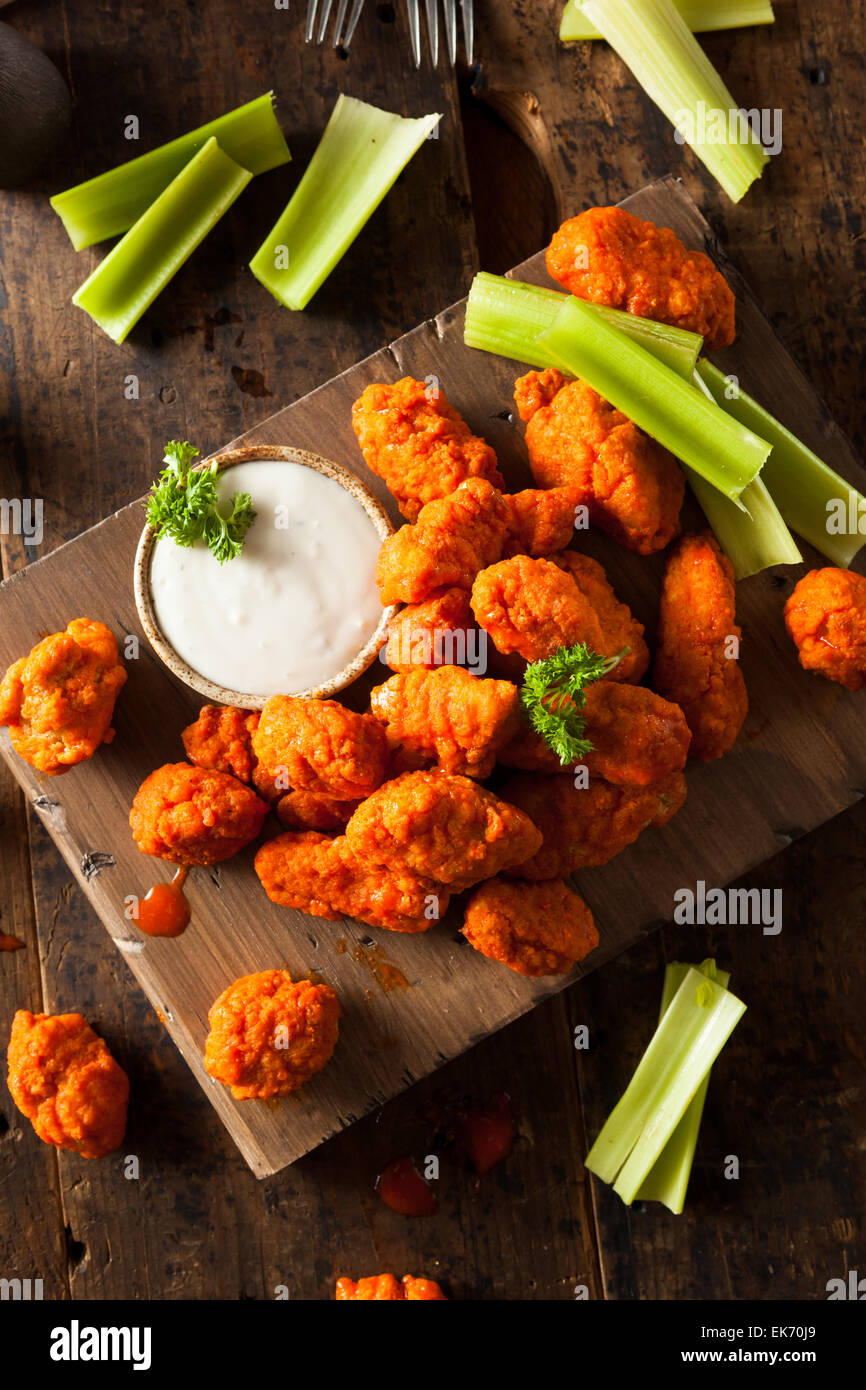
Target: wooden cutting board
<point>412,1003</point>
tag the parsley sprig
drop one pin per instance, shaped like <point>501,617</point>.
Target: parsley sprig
<point>554,694</point>
<point>183,505</point>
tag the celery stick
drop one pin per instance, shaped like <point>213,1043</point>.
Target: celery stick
<point>752,533</point>
<point>693,1030</point>
<point>359,157</point>
<point>701,16</point>
<point>109,204</point>
<point>802,487</point>
<point>142,263</point>
<point>668,1179</point>
<point>669,409</point>
<point>506,316</point>
<point>657,45</point>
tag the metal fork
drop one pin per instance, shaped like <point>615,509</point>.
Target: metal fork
<point>449,8</point>
<point>342,37</point>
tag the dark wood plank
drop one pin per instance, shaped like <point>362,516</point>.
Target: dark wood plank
<point>786,1097</point>
<point>32,1244</point>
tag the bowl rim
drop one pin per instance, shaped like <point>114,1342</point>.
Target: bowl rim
<point>222,695</point>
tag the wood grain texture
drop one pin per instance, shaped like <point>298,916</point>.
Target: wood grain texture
<point>799,758</point>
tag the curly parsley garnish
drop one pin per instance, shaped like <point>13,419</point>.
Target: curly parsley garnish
<point>554,693</point>
<point>183,505</point>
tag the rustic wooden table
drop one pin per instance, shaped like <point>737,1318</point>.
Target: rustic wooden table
<point>534,132</point>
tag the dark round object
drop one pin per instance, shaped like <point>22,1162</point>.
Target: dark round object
<point>34,108</point>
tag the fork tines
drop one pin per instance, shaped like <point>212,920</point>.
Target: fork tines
<point>449,9</point>
<point>342,35</point>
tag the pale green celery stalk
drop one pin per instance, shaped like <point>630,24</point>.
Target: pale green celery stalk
<point>359,157</point>
<point>142,263</point>
<point>752,533</point>
<point>657,45</point>
<point>506,316</point>
<point>693,1030</point>
<point>701,16</point>
<point>804,489</point>
<point>668,1179</point>
<point>109,204</point>
<point>659,401</point>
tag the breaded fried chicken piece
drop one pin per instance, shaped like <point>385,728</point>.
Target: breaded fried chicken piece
<point>270,1034</point>
<point>442,827</point>
<point>451,541</point>
<point>384,1288</point>
<point>826,619</point>
<point>325,877</point>
<point>65,1080</point>
<point>590,826</point>
<point>449,715</point>
<point>609,256</point>
<point>299,810</point>
<point>58,701</point>
<point>320,746</point>
<point>639,738</point>
<point>632,488</point>
<point>533,607</point>
<point>190,815</point>
<point>433,633</point>
<point>534,928</point>
<point>418,444</point>
<point>693,666</point>
<point>221,740</point>
<point>620,629</point>
<point>541,520</point>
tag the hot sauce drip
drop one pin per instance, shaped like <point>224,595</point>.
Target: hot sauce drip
<point>403,1189</point>
<point>11,943</point>
<point>164,911</point>
<point>488,1134</point>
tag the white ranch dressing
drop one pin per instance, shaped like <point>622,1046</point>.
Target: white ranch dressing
<point>296,605</point>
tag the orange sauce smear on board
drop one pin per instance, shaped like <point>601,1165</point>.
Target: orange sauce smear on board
<point>164,911</point>
<point>11,943</point>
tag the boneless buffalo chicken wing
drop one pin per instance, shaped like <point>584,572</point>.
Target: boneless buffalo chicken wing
<point>299,810</point>
<point>65,1080</point>
<point>191,815</point>
<point>540,520</point>
<point>269,1034</point>
<point>587,826</point>
<point>609,256</point>
<point>696,662</point>
<point>533,607</point>
<point>621,631</point>
<point>384,1288</point>
<point>638,738</point>
<point>436,632</point>
<point>58,701</point>
<point>320,746</point>
<point>631,487</point>
<point>414,439</point>
<point>449,715</point>
<point>324,876</point>
<point>452,540</point>
<point>221,739</point>
<point>442,827</point>
<point>534,928</point>
<point>826,619</point>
